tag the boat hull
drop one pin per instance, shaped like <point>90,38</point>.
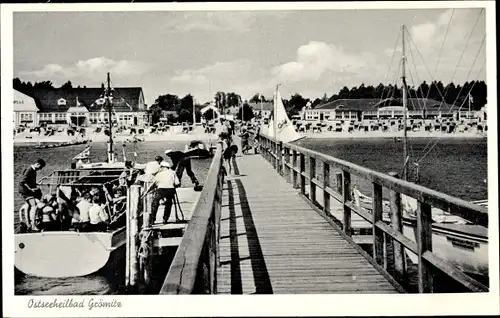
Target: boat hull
<point>468,253</point>
<point>463,245</point>
<point>65,254</point>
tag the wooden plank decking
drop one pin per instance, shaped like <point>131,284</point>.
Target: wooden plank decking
<point>272,241</point>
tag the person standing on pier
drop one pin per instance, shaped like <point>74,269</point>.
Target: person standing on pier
<point>151,170</point>
<point>181,162</point>
<point>165,182</point>
<point>29,191</point>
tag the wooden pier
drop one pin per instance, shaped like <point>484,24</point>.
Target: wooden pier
<point>272,241</point>
<point>276,225</point>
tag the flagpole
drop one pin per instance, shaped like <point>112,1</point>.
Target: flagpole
<point>261,108</point>
<point>468,115</point>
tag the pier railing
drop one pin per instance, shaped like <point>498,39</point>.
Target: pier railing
<point>290,162</point>
<point>193,269</point>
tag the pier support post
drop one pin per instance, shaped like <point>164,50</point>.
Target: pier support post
<point>378,234</point>
<point>312,175</point>
<point>326,184</point>
<point>134,198</point>
<point>346,196</point>
<point>280,158</point>
<point>397,224</point>
<point>424,243</point>
<point>302,177</point>
<point>339,182</point>
<point>286,165</point>
<point>294,166</point>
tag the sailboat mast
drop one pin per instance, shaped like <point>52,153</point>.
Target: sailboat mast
<point>108,103</point>
<point>403,67</point>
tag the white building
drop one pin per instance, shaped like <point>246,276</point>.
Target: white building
<point>25,110</point>
<point>79,106</point>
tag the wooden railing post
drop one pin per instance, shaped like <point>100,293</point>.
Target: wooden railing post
<point>286,164</point>
<point>275,150</point>
<point>294,166</point>
<point>301,171</point>
<point>134,197</point>
<point>326,184</point>
<point>346,196</point>
<point>312,175</point>
<point>339,182</point>
<point>280,158</point>
<point>397,224</point>
<point>378,235</point>
<point>424,243</point>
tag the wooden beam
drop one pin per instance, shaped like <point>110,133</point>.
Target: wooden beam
<point>424,243</point>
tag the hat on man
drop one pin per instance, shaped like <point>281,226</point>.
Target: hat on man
<point>165,164</point>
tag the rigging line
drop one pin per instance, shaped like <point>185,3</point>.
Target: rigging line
<point>416,95</point>
<point>437,141</point>
<point>462,55</point>
<point>453,105</point>
<point>421,107</point>
<point>390,64</point>
<point>470,71</point>
<point>440,52</point>
<point>474,84</point>
<point>433,79</point>
<point>463,51</point>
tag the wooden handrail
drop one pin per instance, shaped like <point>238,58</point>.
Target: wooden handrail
<point>193,266</point>
<point>471,212</point>
<point>384,234</point>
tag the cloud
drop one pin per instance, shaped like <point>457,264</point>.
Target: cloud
<point>236,21</point>
<point>219,71</point>
<point>320,61</point>
<point>319,67</point>
<point>441,49</point>
<point>87,70</point>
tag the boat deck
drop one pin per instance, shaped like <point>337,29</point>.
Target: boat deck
<point>272,241</point>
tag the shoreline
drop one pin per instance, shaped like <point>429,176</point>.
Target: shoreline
<point>22,140</point>
<point>391,135</point>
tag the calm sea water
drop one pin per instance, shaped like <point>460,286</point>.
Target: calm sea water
<point>455,167</point>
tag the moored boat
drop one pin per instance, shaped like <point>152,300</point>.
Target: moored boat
<point>71,252</point>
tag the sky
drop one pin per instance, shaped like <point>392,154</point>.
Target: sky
<point>202,52</point>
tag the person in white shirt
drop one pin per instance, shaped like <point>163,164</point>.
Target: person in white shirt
<point>165,182</point>
<point>81,220</point>
<point>98,216</point>
<point>151,169</point>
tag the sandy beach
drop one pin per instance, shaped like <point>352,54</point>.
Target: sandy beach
<point>198,134</point>
<point>392,134</point>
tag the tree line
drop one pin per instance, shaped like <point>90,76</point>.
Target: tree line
<point>182,107</point>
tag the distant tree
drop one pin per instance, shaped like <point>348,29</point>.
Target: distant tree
<point>318,101</point>
<point>66,85</point>
<point>44,84</point>
<point>247,112</point>
<point>220,100</point>
<point>233,99</point>
<point>154,113</point>
<point>297,102</point>
<point>256,99</point>
<point>168,102</point>
<point>209,114</point>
